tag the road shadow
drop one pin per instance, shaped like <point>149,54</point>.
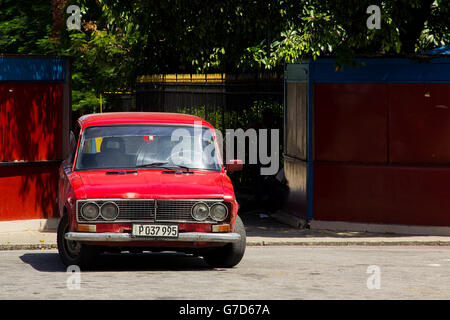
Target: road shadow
<point>44,261</point>
<point>165,261</point>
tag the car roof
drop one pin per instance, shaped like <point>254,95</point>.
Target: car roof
<point>112,118</point>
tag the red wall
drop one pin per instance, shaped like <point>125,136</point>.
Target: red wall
<point>350,122</point>
<point>28,191</point>
<point>382,194</point>
<point>382,153</point>
<point>419,123</point>
<point>31,117</point>
<point>31,121</point>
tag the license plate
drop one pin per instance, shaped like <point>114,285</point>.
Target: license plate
<point>155,230</point>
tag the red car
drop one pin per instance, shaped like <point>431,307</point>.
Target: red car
<point>148,182</point>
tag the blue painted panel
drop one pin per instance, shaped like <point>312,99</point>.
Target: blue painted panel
<point>32,69</point>
<point>385,71</point>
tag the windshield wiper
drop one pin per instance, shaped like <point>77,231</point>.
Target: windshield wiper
<point>162,165</point>
<point>152,164</point>
<point>181,167</point>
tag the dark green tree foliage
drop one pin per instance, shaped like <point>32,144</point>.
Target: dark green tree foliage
<point>22,24</point>
<point>120,40</point>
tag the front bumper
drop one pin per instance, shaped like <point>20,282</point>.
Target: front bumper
<point>127,237</point>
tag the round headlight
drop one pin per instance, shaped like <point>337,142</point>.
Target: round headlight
<point>219,212</point>
<point>200,211</point>
<point>109,211</point>
<point>90,211</point>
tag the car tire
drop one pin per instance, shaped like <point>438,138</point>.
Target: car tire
<point>231,254</point>
<point>72,252</point>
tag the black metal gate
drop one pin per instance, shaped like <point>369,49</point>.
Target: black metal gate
<point>226,101</point>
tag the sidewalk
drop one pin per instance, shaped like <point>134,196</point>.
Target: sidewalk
<point>262,230</point>
<point>265,231</point>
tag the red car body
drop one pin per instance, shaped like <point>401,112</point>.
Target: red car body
<point>216,241</point>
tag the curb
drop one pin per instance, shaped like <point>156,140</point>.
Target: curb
<point>264,243</point>
<point>6,247</point>
<point>348,243</point>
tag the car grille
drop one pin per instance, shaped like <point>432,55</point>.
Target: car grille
<point>131,210</point>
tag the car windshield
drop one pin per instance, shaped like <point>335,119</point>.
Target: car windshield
<point>140,146</point>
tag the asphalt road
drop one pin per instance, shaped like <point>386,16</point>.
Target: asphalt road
<point>283,272</point>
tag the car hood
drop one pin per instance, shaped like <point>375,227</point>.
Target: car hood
<point>151,184</point>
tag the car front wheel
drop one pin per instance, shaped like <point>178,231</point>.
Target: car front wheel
<point>231,254</point>
<point>73,252</point>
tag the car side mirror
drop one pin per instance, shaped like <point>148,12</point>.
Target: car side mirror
<point>234,165</point>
